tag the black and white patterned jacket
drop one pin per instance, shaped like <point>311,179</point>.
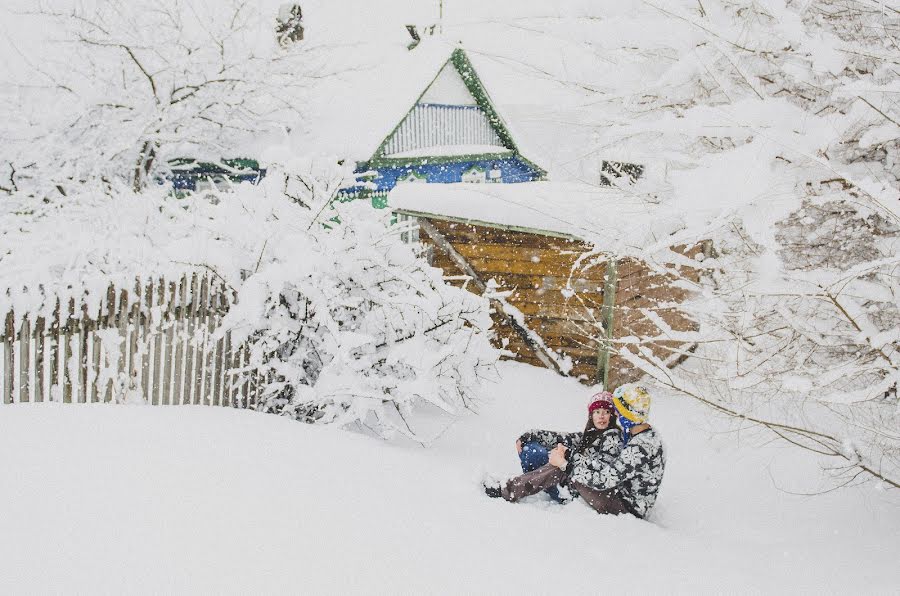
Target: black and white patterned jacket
<point>601,449</point>
<point>635,475</point>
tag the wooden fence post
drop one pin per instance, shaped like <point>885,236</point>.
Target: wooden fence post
<point>110,324</point>
<point>133,330</point>
<point>167,328</point>
<point>122,326</point>
<point>145,293</point>
<point>156,294</point>
<point>24,359</point>
<point>178,323</point>
<point>55,388</point>
<point>68,331</point>
<point>96,348</point>
<point>214,319</point>
<point>252,377</point>
<point>190,396</point>
<point>227,378</point>
<point>87,331</point>
<point>39,359</point>
<point>201,331</point>
<point>9,361</point>
<point>245,376</point>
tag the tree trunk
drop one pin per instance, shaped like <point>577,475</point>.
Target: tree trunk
<point>143,166</point>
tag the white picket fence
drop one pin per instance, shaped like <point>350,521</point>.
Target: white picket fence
<point>154,341</point>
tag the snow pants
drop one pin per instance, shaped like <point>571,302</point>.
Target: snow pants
<point>534,456</point>
<point>547,476</point>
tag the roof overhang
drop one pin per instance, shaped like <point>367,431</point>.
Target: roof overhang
<point>484,224</point>
<point>609,218</point>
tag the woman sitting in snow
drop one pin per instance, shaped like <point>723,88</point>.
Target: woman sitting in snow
<point>549,458</point>
<point>627,484</point>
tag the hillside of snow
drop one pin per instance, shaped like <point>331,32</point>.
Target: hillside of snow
<point>130,499</point>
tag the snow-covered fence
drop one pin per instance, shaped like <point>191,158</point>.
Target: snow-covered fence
<point>154,342</point>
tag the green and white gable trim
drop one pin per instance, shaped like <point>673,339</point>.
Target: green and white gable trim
<point>451,133</point>
<point>448,119</point>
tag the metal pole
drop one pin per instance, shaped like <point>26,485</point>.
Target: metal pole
<point>608,312</point>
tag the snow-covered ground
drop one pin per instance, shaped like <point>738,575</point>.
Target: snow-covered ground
<point>130,499</point>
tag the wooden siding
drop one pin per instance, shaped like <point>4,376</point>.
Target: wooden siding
<point>560,292</point>
<point>641,293</point>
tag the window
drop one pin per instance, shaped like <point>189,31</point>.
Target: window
<point>409,228</point>
<point>612,171</point>
<point>289,24</point>
<point>412,177</point>
<point>474,175</point>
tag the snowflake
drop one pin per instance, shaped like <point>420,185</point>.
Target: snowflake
<point>611,443</point>
<point>580,476</point>
<point>608,477</point>
<point>631,457</point>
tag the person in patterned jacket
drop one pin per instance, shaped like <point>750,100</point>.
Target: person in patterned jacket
<point>631,483</point>
<point>549,458</point>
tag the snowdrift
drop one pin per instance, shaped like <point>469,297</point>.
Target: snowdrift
<point>112,499</point>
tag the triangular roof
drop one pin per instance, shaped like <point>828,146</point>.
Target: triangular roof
<point>354,113</point>
<point>444,85</point>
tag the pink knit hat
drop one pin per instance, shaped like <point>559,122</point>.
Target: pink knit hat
<point>602,400</point>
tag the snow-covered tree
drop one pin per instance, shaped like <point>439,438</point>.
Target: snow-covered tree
<point>799,326</point>
<point>346,324</point>
<point>771,128</point>
<point>114,91</point>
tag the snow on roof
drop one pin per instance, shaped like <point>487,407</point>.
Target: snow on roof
<point>367,90</point>
<point>453,150</point>
<point>352,112</point>
<point>609,218</point>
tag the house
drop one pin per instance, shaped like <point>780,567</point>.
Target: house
<point>423,116</point>
<point>429,143</point>
<point>451,132</point>
<point>548,255</point>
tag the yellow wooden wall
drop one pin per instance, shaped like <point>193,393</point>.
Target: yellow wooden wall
<point>540,270</point>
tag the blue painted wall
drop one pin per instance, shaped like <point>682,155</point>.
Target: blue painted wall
<point>512,168</point>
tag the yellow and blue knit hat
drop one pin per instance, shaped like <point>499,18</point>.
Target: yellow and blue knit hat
<point>632,401</point>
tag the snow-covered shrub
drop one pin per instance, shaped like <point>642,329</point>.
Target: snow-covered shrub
<point>114,91</point>
<point>347,324</point>
<point>769,126</point>
<point>802,335</point>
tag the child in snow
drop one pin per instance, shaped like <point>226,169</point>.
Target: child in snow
<point>629,484</point>
<point>547,455</point>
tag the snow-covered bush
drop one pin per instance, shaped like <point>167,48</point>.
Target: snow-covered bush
<point>347,324</point>
<point>112,92</point>
<point>344,321</point>
<point>769,125</point>
<point>802,336</point>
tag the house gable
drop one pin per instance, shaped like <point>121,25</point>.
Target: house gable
<point>453,118</point>
<point>448,88</point>
<point>450,130</point>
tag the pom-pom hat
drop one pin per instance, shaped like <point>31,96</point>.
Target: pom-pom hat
<point>602,400</point>
<point>632,402</point>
